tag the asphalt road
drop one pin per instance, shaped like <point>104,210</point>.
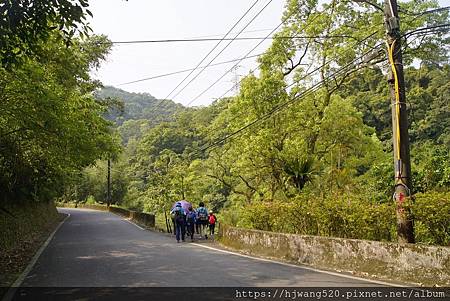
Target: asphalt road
<point>100,249</point>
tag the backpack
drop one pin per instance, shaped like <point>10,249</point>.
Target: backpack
<point>191,217</point>
<point>212,219</point>
<point>178,214</point>
<point>202,214</point>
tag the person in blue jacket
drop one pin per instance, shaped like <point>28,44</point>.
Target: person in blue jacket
<point>191,218</point>
<point>179,216</point>
<point>202,219</point>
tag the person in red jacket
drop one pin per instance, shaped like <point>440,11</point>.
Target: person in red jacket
<point>212,223</point>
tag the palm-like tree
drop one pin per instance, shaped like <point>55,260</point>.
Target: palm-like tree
<point>300,171</point>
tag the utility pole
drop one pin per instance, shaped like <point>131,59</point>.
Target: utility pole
<point>402,164</point>
<point>108,195</point>
<point>236,78</point>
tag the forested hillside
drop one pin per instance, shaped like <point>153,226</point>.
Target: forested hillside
<point>138,106</point>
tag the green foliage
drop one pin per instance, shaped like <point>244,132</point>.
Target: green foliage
<point>341,216</point>
<point>50,126</point>
<point>26,25</point>
<point>431,212</point>
<point>348,217</point>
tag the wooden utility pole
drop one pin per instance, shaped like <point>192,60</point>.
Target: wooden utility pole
<point>402,164</point>
<point>108,194</point>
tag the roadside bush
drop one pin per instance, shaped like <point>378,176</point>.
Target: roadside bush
<point>351,217</point>
<point>343,217</point>
<point>431,211</point>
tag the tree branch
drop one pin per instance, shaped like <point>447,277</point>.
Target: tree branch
<point>287,72</point>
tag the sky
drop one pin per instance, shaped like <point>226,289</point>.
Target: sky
<point>178,19</point>
<point>133,20</point>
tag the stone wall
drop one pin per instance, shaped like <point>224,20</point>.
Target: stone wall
<point>410,263</point>
<point>144,219</point>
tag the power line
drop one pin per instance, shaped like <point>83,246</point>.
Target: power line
<point>312,89</point>
<point>214,83</point>
<point>435,27</point>
<point>252,70</point>
<point>230,39</point>
<point>425,12</point>
<point>226,46</point>
<point>204,58</point>
<point>185,70</point>
<point>286,104</point>
<point>218,35</point>
<point>306,75</point>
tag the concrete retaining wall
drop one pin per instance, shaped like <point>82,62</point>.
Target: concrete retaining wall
<point>144,219</point>
<point>120,211</point>
<point>415,264</point>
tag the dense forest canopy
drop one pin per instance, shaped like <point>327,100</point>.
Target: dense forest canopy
<point>307,138</point>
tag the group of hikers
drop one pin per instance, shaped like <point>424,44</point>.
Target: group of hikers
<point>187,221</point>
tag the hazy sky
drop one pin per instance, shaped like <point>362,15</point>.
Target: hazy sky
<point>177,19</point>
<point>171,19</point>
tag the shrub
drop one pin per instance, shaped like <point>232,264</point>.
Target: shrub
<point>351,217</point>
<point>342,217</point>
<point>431,211</point>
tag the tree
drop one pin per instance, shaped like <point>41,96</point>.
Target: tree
<point>26,25</point>
<point>50,126</point>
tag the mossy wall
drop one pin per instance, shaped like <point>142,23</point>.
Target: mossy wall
<point>415,264</point>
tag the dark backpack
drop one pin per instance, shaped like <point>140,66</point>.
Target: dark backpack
<point>190,217</point>
<point>178,215</point>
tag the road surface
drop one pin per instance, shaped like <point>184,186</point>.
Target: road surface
<point>95,248</point>
<point>102,250</point>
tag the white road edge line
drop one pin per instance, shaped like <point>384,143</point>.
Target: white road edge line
<point>299,266</point>
<point>12,290</point>
<point>133,223</point>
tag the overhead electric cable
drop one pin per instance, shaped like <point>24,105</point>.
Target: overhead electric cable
<point>431,11</point>
<point>226,46</point>
<point>219,35</point>
<point>182,71</point>
<point>435,27</point>
<point>231,39</point>
<point>213,84</point>
<point>308,74</point>
<point>217,45</point>
<point>228,71</point>
<point>204,58</point>
<point>312,89</point>
<point>284,105</point>
<point>252,70</point>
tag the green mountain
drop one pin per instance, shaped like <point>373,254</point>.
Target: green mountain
<point>139,106</point>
